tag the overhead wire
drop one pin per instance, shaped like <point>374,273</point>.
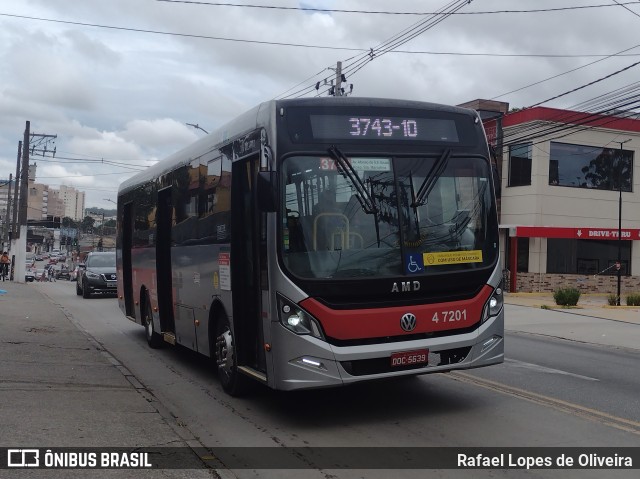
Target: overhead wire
<point>357,62</point>
<point>386,12</point>
<point>573,121</point>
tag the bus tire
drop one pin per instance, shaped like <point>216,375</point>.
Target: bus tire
<point>233,382</point>
<point>154,340</point>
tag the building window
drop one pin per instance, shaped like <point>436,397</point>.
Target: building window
<point>523,255</point>
<point>520,165</point>
<point>588,257</point>
<point>597,168</point>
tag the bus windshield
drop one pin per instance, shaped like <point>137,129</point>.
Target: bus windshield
<point>386,216</point>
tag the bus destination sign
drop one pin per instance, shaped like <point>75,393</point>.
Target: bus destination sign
<point>344,127</point>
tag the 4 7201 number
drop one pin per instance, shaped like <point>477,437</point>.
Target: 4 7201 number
<point>450,316</point>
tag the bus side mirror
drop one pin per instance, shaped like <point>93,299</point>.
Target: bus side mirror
<point>267,191</point>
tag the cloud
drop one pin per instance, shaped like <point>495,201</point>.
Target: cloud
<point>125,96</point>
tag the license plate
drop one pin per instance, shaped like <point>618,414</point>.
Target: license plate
<point>112,285</point>
<point>410,358</point>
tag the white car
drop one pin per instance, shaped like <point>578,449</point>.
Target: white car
<point>29,272</point>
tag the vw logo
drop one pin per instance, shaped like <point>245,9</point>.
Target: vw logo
<point>408,322</point>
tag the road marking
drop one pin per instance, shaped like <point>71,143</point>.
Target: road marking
<point>623,424</point>
<point>543,369</point>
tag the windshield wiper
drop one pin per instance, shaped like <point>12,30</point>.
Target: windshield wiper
<point>344,167</point>
<point>430,180</point>
<point>364,197</point>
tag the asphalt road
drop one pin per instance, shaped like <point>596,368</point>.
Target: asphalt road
<point>549,392</point>
<point>590,376</point>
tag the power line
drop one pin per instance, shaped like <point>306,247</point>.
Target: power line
<point>175,34</point>
<point>358,62</point>
<point>587,84</point>
<point>76,161</point>
<point>327,47</point>
<point>623,5</point>
<point>382,12</point>
<point>563,73</point>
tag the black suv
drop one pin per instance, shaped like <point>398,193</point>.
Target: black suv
<point>97,275</point>
<point>63,273</point>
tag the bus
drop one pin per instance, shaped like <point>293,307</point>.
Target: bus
<point>321,242</point>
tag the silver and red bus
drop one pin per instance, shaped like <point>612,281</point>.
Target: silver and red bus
<point>320,242</point>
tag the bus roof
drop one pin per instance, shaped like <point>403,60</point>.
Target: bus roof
<point>259,116</point>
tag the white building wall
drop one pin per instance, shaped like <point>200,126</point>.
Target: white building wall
<point>541,204</point>
<point>73,202</point>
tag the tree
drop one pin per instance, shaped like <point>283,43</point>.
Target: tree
<point>87,223</point>
<point>610,170</point>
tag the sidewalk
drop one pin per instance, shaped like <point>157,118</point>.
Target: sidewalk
<point>592,321</point>
<point>60,388</point>
<point>593,305</point>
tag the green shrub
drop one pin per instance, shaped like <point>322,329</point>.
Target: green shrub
<point>633,299</point>
<point>612,299</point>
<point>566,296</point>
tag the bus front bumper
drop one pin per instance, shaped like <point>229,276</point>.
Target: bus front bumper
<point>302,362</point>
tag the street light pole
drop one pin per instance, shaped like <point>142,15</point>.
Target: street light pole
<point>619,264</point>
<point>197,127</point>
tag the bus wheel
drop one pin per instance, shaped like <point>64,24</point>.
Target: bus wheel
<point>154,340</point>
<point>232,382</point>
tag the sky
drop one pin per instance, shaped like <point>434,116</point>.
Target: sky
<point>118,80</point>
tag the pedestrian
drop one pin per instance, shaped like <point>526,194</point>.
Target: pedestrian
<point>51,274</point>
<point>4,264</point>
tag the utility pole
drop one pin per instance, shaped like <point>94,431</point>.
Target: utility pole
<point>619,263</point>
<point>35,144</point>
<point>7,214</point>
<point>24,180</point>
<point>14,221</point>
<point>339,79</point>
<point>338,88</point>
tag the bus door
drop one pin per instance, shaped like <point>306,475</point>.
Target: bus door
<point>164,282</point>
<point>248,265</point>
<point>127,233</point>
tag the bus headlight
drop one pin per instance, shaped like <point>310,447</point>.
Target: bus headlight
<point>298,320</point>
<point>494,304</point>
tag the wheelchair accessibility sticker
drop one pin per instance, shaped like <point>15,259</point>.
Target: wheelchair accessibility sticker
<point>413,263</point>
<point>452,257</point>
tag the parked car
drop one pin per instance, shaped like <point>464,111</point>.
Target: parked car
<point>39,257</point>
<point>97,275</point>
<point>29,273</point>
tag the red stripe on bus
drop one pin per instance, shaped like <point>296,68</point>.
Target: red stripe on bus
<point>382,322</point>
